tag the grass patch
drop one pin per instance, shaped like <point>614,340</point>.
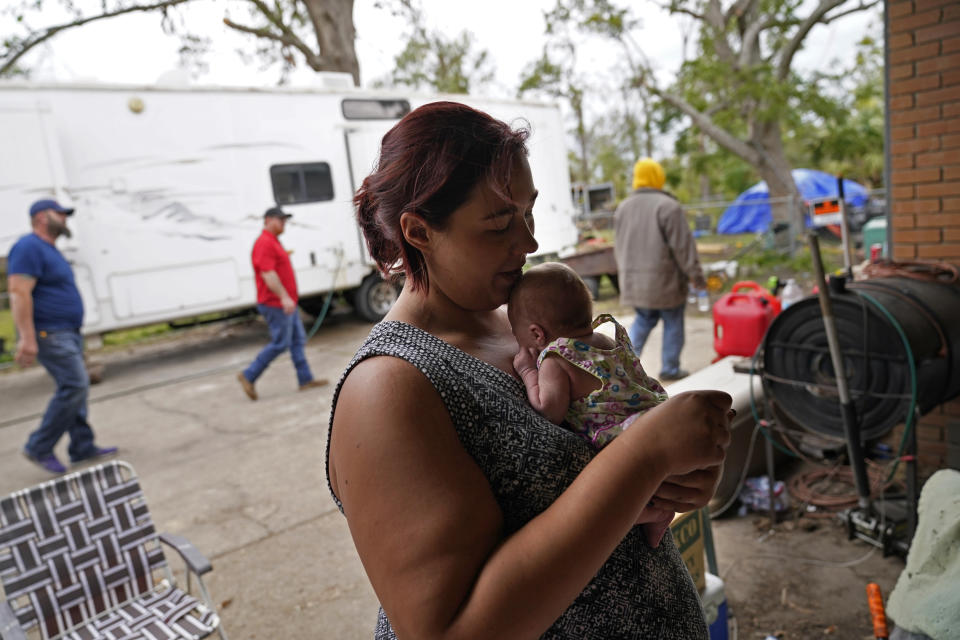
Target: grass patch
<point>8,334</point>
<point>147,332</point>
<point>761,264</point>
<point>138,334</point>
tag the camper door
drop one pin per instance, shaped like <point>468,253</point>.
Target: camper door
<point>367,122</point>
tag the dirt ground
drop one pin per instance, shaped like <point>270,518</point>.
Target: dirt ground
<point>244,481</point>
<point>802,580</point>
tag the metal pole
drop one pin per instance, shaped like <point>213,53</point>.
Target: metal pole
<point>794,230</point>
<point>851,426</point>
<point>844,231</point>
<point>768,449</point>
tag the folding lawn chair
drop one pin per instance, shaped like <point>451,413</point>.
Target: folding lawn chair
<point>79,560</point>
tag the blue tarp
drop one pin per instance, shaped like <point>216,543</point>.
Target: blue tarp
<point>747,215</point>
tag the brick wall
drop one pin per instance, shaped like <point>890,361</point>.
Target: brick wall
<point>923,76</point>
<point>924,81</point>
<point>938,439</point>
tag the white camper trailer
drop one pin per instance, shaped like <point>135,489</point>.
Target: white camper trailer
<point>170,185</point>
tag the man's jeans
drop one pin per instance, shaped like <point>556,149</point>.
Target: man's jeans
<point>61,354</point>
<point>286,332</point>
<point>644,323</point>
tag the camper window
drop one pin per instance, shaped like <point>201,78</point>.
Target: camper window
<point>354,109</point>
<point>293,183</point>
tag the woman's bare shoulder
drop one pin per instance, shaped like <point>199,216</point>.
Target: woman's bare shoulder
<point>382,383</point>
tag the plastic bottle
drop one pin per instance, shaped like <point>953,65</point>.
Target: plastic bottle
<point>755,494</point>
<point>791,293</point>
<point>691,295</point>
<point>703,300</point>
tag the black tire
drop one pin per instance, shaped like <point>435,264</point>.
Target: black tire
<point>593,284</point>
<point>374,297</point>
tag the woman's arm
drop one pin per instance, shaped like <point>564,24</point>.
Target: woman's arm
<point>427,526</point>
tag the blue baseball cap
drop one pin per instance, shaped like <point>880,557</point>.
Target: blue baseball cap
<point>43,205</point>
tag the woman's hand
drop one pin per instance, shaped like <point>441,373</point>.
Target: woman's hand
<point>688,491</point>
<point>689,431</point>
<point>656,522</point>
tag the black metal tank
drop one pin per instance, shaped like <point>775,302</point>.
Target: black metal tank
<point>798,372</point>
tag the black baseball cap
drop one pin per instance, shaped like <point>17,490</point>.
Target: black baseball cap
<point>277,212</point>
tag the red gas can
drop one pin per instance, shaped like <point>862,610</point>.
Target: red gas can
<point>739,322</point>
<point>752,287</point>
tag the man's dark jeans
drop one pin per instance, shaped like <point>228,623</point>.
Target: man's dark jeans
<point>672,335</point>
<point>286,332</point>
<point>61,354</point>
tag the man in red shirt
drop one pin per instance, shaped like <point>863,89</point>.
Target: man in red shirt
<point>277,303</point>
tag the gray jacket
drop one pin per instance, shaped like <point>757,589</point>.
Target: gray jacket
<point>656,255</point>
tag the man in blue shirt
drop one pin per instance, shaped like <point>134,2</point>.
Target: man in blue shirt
<point>48,312</point>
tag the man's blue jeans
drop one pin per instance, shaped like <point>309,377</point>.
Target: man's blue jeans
<point>644,323</point>
<point>286,332</point>
<point>61,354</point>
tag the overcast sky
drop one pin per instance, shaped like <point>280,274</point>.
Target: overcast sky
<point>133,49</point>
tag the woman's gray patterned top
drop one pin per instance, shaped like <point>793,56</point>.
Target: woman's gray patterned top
<point>640,592</point>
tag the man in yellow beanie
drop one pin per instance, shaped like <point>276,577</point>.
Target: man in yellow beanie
<point>656,262</point>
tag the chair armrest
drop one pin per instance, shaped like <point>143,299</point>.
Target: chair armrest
<point>9,625</point>
<point>196,561</point>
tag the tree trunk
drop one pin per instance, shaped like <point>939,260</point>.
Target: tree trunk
<point>775,170</point>
<point>333,24</point>
<point>704,177</point>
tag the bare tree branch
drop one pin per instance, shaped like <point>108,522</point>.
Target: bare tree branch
<point>715,18</point>
<point>706,124</point>
<point>684,10</point>
<point>13,54</point>
<point>818,16</point>
<point>714,15</point>
<point>740,8</point>
<point>750,47</point>
<point>285,37</point>
<point>271,17</point>
<point>857,9</point>
<point>791,48</point>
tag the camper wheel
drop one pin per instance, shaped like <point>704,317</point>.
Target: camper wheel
<point>374,297</point>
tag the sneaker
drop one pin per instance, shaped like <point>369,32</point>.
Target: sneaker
<point>95,454</point>
<point>314,383</point>
<point>676,375</point>
<point>48,463</point>
<point>247,386</point>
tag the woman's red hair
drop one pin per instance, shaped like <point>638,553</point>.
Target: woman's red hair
<point>430,163</point>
